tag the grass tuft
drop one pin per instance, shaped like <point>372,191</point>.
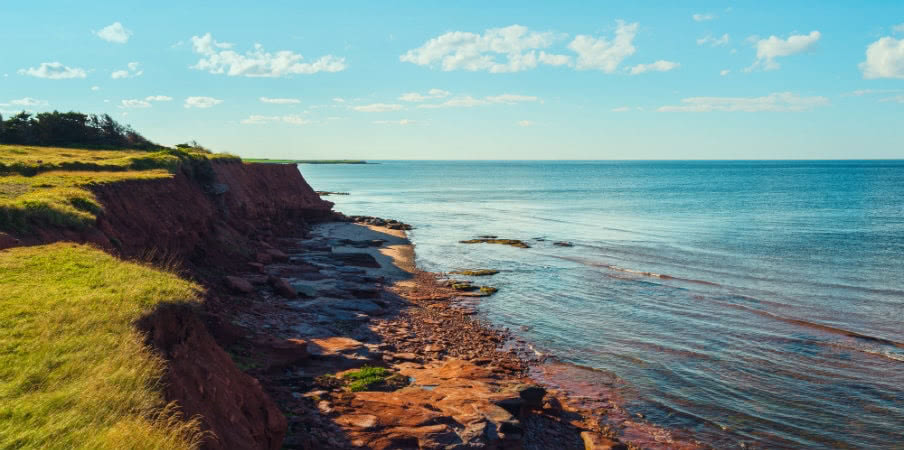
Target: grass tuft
<point>74,372</point>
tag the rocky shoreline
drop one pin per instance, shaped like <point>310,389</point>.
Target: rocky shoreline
<point>346,299</point>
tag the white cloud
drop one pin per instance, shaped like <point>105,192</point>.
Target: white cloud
<point>621,109</point>
<point>378,107</point>
<point>899,28</point>
<point>510,49</point>
<point>862,92</point>
<point>468,101</point>
<point>394,122</point>
<point>774,47</point>
<point>218,58</point>
<point>132,71</point>
<point>115,33</point>
<point>158,98</point>
<point>511,98</point>
<point>724,72</point>
<point>201,102</point>
<point>280,101</point>
<point>779,101</point>
<point>95,88</point>
<point>525,123</point>
<point>54,71</point>
<point>135,103</point>
<point>714,41</point>
<point>338,99</point>
<point>601,54</point>
<point>658,66</point>
<point>895,99</point>
<point>884,59</point>
<point>417,97</point>
<point>289,119</point>
<point>28,101</point>
<point>700,17</point>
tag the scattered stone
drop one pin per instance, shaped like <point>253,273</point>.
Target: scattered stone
<point>304,290</point>
<point>256,266</point>
<point>356,259</point>
<point>563,244</point>
<point>511,242</point>
<point>238,284</point>
<point>263,258</point>
<point>362,421</point>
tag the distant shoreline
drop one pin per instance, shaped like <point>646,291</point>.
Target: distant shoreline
<point>304,161</point>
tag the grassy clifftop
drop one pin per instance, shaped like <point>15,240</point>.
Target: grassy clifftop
<point>49,185</point>
<point>74,373</point>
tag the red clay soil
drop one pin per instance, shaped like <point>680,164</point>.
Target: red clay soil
<point>206,382</point>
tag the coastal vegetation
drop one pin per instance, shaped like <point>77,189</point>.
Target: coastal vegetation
<point>51,185</point>
<point>71,129</point>
<point>495,240</point>
<point>74,372</point>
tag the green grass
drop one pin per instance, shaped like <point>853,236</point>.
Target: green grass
<point>50,185</point>
<point>304,161</point>
<point>74,372</point>
<point>364,378</point>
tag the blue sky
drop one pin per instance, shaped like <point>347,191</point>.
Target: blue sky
<point>462,80</point>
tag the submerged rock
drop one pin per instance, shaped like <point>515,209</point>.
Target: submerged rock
<point>563,244</point>
<point>475,272</point>
<point>510,242</point>
<point>238,284</point>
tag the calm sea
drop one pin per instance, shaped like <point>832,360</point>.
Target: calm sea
<point>748,302</point>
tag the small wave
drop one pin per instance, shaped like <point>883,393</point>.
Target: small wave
<point>823,327</point>
<point>660,276</point>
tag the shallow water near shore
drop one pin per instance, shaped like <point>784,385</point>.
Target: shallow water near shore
<point>747,302</point>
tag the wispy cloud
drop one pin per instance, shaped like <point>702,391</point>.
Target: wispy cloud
<point>288,119</point>
<point>497,50</point>
<point>658,66</point>
<point>767,50</point>
<point>280,101</point>
<point>467,101</point>
<point>703,17</point>
<point>714,41</point>
<point>54,71</point>
<point>779,101</point>
<point>219,58</point>
<point>28,101</point>
<point>115,33</point>
<point>602,54</point>
<point>131,71</point>
<point>395,122</point>
<point>418,97</point>
<point>516,48</point>
<point>378,107</point>
<point>201,102</point>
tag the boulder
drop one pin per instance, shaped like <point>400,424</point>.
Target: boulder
<point>277,255</point>
<point>596,441</point>
<point>282,287</point>
<point>239,284</point>
<point>263,258</point>
<point>281,353</point>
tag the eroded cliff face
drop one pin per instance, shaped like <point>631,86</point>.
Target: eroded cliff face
<point>183,219</point>
<point>203,228</point>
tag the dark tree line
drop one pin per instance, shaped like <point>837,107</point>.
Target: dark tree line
<point>71,129</point>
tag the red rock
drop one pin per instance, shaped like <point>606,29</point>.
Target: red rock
<point>282,287</point>
<point>277,255</point>
<point>263,258</point>
<point>596,441</point>
<point>239,284</point>
<point>256,266</point>
<point>282,353</point>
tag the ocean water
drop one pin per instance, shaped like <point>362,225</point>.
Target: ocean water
<point>754,303</point>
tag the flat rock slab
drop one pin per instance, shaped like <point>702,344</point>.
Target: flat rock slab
<point>356,259</point>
